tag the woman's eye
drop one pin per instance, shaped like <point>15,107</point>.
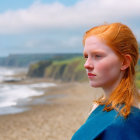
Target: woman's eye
<point>97,55</point>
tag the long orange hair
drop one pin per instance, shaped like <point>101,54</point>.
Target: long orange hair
<point>121,39</point>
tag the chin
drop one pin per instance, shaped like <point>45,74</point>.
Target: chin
<point>94,85</point>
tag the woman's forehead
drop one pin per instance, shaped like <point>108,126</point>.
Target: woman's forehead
<point>92,40</point>
<point>94,44</point>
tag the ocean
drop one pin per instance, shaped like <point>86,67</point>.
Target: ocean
<point>15,98</point>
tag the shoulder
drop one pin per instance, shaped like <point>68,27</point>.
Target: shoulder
<point>131,122</point>
<point>121,128</point>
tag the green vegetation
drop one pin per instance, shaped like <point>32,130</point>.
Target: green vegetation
<point>37,69</point>
<point>65,70</point>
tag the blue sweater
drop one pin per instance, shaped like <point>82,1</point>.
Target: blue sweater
<point>103,125</point>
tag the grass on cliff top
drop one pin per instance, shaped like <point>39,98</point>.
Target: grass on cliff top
<point>79,59</point>
<point>76,64</point>
<point>67,61</point>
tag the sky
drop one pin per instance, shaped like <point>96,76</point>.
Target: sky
<point>57,26</point>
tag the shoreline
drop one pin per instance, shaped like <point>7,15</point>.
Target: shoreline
<point>18,95</point>
<point>57,120</point>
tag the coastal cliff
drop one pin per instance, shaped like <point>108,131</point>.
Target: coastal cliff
<point>65,70</point>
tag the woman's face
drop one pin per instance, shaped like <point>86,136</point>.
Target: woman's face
<point>102,64</point>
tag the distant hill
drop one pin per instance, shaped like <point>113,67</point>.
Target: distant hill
<point>24,60</point>
<point>65,70</point>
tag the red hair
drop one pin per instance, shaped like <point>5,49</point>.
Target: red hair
<point>121,39</point>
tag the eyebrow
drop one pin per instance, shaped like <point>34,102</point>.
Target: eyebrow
<point>93,52</point>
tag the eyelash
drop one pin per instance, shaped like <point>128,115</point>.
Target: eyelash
<point>95,56</point>
<point>98,55</point>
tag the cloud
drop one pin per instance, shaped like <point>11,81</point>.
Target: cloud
<point>55,16</point>
<point>63,43</point>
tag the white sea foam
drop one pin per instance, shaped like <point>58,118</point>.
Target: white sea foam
<point>6,73</point>
<point>11,94</point>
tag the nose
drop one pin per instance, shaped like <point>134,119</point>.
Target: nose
<point>88,64</point>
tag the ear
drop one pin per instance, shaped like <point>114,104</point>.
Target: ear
<point>126,62</point>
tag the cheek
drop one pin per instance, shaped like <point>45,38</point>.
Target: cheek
<point>103,67</point>
<point>108,68</point>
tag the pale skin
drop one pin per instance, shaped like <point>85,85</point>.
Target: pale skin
<point>102,61</point>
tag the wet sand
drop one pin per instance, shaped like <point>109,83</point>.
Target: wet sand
<point>55,121</point>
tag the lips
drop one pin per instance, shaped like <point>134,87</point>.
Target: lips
<point>90,74</point>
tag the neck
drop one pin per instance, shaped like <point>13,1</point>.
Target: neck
<point>108,89</point>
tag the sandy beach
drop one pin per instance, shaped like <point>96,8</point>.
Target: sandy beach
<point>55,121</point>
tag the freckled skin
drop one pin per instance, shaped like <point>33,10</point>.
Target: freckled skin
<point>102,61</point>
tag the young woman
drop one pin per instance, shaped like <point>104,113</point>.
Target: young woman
<point>111,53</point>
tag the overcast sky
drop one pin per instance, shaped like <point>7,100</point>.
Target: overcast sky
<point>55,26</point>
